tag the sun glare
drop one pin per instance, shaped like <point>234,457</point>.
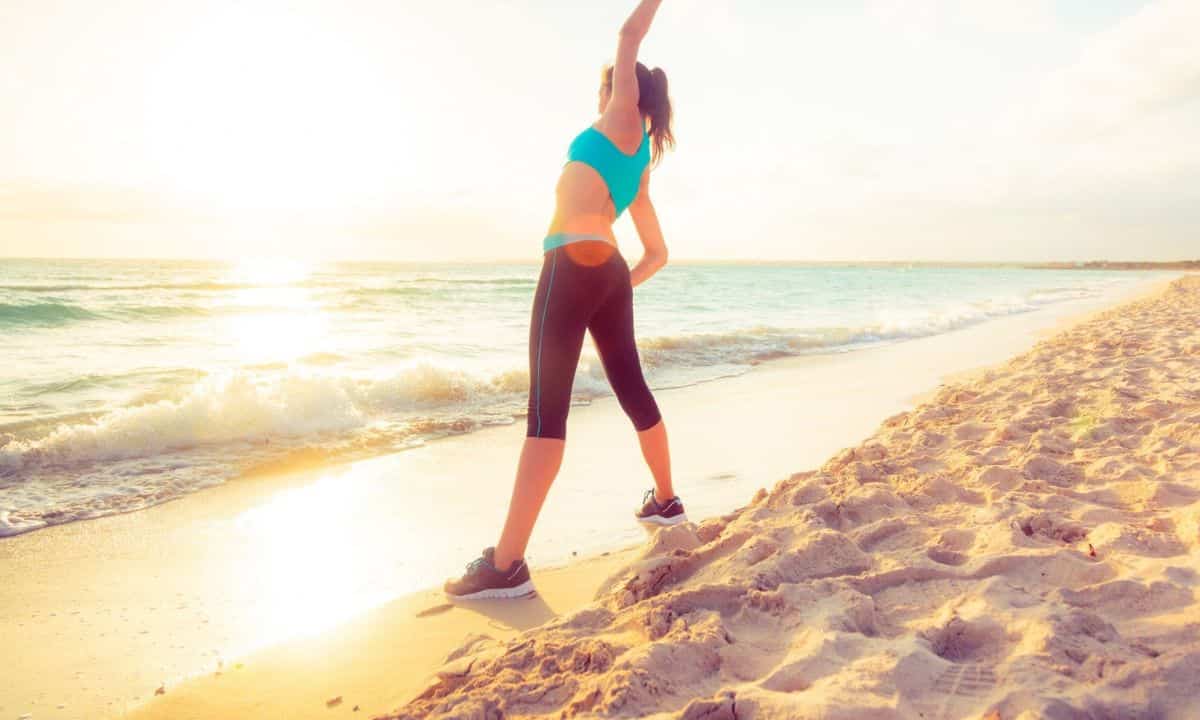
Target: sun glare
<point>277,318</point>
<point>268,271</point>
<point>311,562</point>
<point>257,108</point>
<point>305,570</point>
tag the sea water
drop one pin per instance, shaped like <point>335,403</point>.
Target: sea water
<point>125,383</point>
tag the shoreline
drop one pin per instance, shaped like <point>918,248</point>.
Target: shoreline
<point>311,457</point>
<point>603,418</point>
<point>1065,322</point>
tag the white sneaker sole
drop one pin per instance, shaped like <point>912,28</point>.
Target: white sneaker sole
<point>657,520</point>
<point>525,589</point>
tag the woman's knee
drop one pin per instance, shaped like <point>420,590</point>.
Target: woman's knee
<point>646,419</point>
<point>641,409</point>
<point>546,422</point>
<point>553,428</point>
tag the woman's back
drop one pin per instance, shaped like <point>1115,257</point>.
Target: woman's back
<point>602,175</point>
<point>607,164</point>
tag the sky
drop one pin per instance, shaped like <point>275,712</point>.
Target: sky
<point>932,130</point>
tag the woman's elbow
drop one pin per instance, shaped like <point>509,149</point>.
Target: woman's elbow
<point>633,30</point>
<point>660,257</point>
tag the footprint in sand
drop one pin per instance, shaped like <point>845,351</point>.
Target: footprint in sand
<point>951,547</point>
<point>435,610</point>
<point>945,556</point>
<point>960,691</point>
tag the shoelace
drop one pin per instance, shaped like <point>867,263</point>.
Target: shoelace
<point>650,496</point>
<point>476,564</point>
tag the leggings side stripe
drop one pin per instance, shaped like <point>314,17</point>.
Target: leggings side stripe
<point>541,333</point>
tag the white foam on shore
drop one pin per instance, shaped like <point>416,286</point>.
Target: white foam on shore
<point>9,527</point>
<point>219,409</point>
<point>147,453</point>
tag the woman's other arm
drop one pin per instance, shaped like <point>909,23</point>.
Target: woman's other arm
<point>645,219</point>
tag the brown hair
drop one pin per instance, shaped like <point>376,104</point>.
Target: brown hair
<point>654,103</point>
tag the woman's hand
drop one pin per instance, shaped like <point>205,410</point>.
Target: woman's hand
<point>639,20</point>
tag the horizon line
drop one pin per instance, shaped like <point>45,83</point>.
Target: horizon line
<point>680,261</point>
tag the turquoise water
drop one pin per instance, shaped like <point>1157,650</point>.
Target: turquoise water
<point>126,383</point>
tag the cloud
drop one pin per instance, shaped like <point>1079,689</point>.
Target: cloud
<point>1145,65</point>
<point>921,20</point>
<point>1116,126</point>
<point>33,201</point>
<point>923,119</point>
<point>1121,120</point>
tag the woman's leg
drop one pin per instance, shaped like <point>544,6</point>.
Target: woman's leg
<point>612,330</point>
<point>536,470</point>
<point>657,454</point>
<point>559,320</point>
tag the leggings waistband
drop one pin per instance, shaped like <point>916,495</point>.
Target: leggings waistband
<point>557,240</point>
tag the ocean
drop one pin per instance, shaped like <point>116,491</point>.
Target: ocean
<point>126,383</point>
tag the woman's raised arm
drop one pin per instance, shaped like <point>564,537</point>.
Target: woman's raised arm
<point>624,82</point>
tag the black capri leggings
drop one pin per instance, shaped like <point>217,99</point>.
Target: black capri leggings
<point>583,286</point>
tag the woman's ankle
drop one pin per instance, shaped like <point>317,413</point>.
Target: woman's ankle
<point>502,560</point>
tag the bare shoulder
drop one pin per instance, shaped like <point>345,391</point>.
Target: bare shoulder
<point>623,127</point>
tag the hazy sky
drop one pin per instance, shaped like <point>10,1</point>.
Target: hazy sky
<point>876,130</point>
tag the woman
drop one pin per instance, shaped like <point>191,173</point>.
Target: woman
<point>585,284</point>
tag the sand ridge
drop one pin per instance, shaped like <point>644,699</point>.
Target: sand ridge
<point>1024,545</point>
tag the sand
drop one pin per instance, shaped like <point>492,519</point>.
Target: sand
<point>1025,544</point>
<point>375,661</point>
<point>287,581</point>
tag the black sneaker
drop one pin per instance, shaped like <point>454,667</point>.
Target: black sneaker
<point>669,513</point>
<point>484,580</point>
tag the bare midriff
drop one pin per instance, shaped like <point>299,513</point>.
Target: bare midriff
<point>582,203</point>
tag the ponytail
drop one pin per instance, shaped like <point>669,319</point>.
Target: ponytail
<point>658,108</point>
<point>654,102</point>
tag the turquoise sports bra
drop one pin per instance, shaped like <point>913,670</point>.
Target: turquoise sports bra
<point>622,173</point>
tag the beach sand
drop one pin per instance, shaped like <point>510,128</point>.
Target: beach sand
<point>235,600</point>
<point>1026,544</point>
<point>377,660</point>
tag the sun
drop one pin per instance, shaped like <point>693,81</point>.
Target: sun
<point>260,108</point>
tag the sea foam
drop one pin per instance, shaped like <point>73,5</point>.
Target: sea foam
<point>128,383</point>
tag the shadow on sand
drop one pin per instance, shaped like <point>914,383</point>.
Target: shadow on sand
<point>519,614</point>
